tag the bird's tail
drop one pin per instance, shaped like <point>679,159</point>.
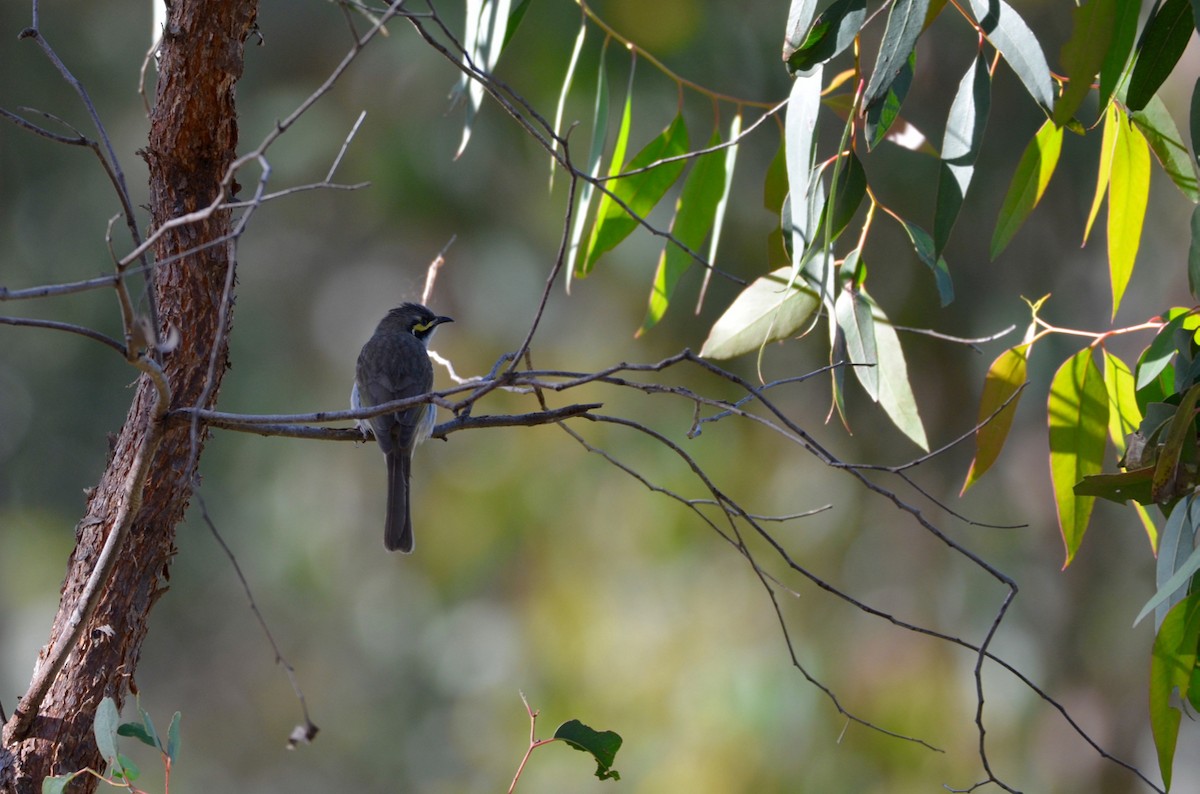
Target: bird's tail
<point>398,532</point>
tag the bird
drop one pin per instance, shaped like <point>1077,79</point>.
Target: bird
<point>394,364</point>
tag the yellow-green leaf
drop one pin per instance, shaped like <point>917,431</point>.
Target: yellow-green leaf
<point>1124,417</point>
<point>603,209</point>
<point>1078,417</point>
<point>1084,53</point>
<point>1028,184</point>
<point>1004,379</point>
<point>1128,193</point>
<point>1108,142</point>
<point>1171,668</point>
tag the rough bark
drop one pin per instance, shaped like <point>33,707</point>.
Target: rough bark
<point>193,140</point>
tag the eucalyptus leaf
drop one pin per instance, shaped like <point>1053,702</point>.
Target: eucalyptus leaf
<point>773,307</point>
<point>906,20</point>
<point>1007,32</point>
<point>1164,39</point>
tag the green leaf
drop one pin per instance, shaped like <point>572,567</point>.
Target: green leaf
<point>1084,53</point>
<point>138,732</point>
<point>906,20</point>
<point>960,147</point>
<point>105,729</point>
<point>599,138</point>
<point>1078,417</point>
<point>605,209</point>
<point>895,391</point>
<point>564,91</point>
<point>800,17</point>
<point>1108,144</point>
<point>831,33</point>
<point>483,39</point>
<point>514,20</point>
<point>1158,354</point>
<point>1128,195</point>
<point>1177,582</point>
<point>126,769</point>
<point>851,189</point>
<point>1172,664</point>
<point>1008,33</point>
<point>1004,379</point>
<point>804,104</point>
<point>775,185</point>
<point>853,315</point>
<point>602,745</point>
<point>58,783</point>
<point>923,245</point>
<point>1124,30</point>
<point>735,132</point>
<point>694,215</point>
<point>1194,256</point>
<point>173,741</point>
<point>1172,153</point>
<point>1124,417</point>
<point>1028,184</point>
<point>770,309</point>
<point>1119,487</point>
<point>1177,545</point>
<point>1164,39</point>
<point>883,114</point>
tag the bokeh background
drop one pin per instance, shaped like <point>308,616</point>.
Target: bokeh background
<point>541,568</point>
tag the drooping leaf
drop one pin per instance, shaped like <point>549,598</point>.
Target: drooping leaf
<point>1164,39</point>
<point>906,20</point>
<point>1002,385</point>
<point>1177,582</point>
<point>604,209</point>
<point>1125,26</point>
<point>1008,33</point>
<point>599,138</point>
<point>766,311</point>
<point>831,33</point>
<point>105,729</point>
<point>1179,444</point>
<point>895,390</point>
<point>1119,487</point>
<point>1123,414</point>
<point>804,103</point>
<point>1194,256</point>
<point>139,732</point>
<point>960,147</point>
<point>173,740</point>
<point>923,245</point>
<point>602,745</point>
<point>1172,663</point>
<point>851,189</point>
<point>58,783</point>
<point>735,131</point>
<point>883,114</point>
<point>564,91</point>
<point>799,21</point>
<point>126,769</point>
<point>1084,53</point>
<point>1078,417</point>
<point>1158,354</point>
<point>1108,144</point>
<point>853,317</point>
<point>514,20</point>
<point>483,39</point>
<point>694,216</point>
<point>1028,184</point>
<point>1172,153</point>
<point>1128,195</point>
<point>1178,544</point>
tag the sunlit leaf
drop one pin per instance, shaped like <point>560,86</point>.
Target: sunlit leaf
<point>1119,487</point>
<point>1178,545</point>
<point>960,147</point>
<point>804,103</point>
<point>514,20</point>
<point>1084,53</point>
<point>604,210</point>
<point>1078,417</point>
<point>1171,665</point>
<point>1194,256</point>
<point>831,33</point>
<point>923,245</point>
<point>906,20</point>
<point>1108,144</point>
<point>694,216</point>
<point>602,745</point>
<point>599,138</point>
<point>1128,195</point>
<point>1123,414</point>
<point>1164,39</point>
<point>766,311</point>
<point>735,131</point>
<point>799,21</point>
<point>1028,184</point>
<point>895,391</point>
<point>1125,25</point>
<point>565,90</point>
<point>483,39</point>
<point>1157,355</point>
<point>1172,153</point>
<point>883,114</point>
<point>1004,379</point>
<point>1008,33</point>
<point>853,317</point>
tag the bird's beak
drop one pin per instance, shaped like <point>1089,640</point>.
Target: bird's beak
<point>440,320</point>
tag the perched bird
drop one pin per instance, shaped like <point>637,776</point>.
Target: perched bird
<point>394,364</point>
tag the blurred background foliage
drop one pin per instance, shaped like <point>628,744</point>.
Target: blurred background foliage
<point>541,567</point>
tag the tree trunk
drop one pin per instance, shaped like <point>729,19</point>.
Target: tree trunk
<point>193,140</point>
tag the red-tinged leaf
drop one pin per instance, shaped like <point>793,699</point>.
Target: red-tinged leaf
<point>1108,144</point>
<point>1003,382</point>
<point>1028,184</point>
<point>1128,195</point>
<point>1171,664</point>
<point>1084,53</point>
<point>1078,417</point>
